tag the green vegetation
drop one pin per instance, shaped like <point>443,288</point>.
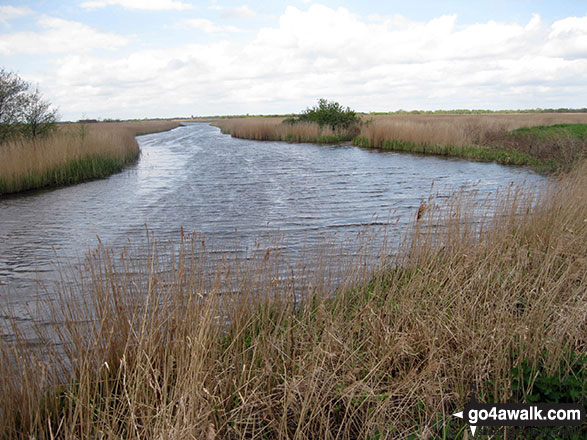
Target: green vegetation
<point>576,131</point>
<point>544,148</point>
<point>328,113</point>
<point>472,152</point>
<point>321,139</point>
<point>534,383</point>
<point>74,171</point>
<point>554,147</point>
<point>23,112</point>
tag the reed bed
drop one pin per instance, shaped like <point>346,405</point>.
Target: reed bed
<point>75,153</point>
<point>485,137</point>
<point>273,129</point>
<point>172,352</point>
<point>458,130</point>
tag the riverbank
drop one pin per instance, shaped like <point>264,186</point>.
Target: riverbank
<point>273,129</point>
<point>503,138</point>
<point>74,154</point>
<point>544,148</point>
<point>499,306</point>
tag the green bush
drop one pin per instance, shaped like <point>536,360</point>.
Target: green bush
<point>327,113</point>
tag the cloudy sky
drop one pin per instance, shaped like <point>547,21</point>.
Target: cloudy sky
<point>164,58</point>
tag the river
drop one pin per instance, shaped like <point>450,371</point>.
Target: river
<point>231,189</point>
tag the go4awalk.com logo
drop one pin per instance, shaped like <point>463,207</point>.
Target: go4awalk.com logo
<point>521,414</point>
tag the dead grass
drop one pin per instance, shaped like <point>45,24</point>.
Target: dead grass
<point>156,348</point>
<point>77,152</point>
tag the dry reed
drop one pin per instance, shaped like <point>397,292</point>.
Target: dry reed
<point>77,152</point>
<point>458,130</point>
<point>168,353</point>
<point>461,130</point>
<point>485,137</point>
<point>273,129</point>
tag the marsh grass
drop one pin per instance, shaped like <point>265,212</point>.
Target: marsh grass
<point>559,146</point>
<point>75,153</point>
<point>456,129</point>
<point>509,139</point>
<point>157,347</point>
<point>273,129</point>
<point>499,154</point>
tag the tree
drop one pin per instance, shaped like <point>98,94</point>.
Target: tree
<point>23,112</point>
<point>12,97</point>
<point>38,116</point>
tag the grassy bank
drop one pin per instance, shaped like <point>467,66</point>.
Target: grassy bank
<point>512,139</point>
<point>499,306</point>
<point>75,153</point>
<point>509,139</point>
<point>472,152</point>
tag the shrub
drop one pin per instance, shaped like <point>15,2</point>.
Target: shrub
<point>328,113</point>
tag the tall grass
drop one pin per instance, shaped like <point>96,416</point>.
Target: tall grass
<point>273,129</point>
<point>158,348</point>
<point>458,130</point>
<point>77,152</point>
<point>485,137</point>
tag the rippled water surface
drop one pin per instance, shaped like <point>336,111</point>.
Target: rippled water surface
<point>233,189</point>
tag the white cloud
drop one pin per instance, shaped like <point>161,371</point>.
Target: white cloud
<point>209,27</point>
<point>377,63</point>
<point>59,36</point>
<point>149,5</point>
<point>11,12</point>
<point>240,12</point>
<point>568,38</point>
<point>569,26</point>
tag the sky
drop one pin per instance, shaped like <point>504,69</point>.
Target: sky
<point>169,58</point>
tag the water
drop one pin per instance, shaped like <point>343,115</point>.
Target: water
<point>234,190</point>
